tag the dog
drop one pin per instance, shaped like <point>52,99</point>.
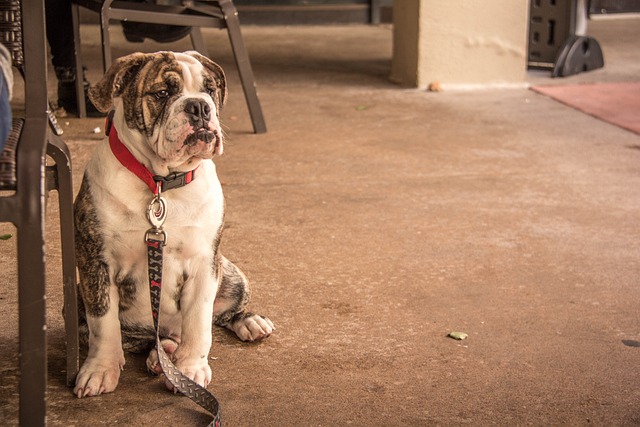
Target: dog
<point>165,116</point>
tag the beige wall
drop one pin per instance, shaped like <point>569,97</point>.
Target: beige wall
<point>464,43</point>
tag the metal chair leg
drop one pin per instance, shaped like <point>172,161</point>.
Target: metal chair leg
<point>33,340</point>
<point>60,154</point>
<point>31,280</point>
<point>104,33</point>
<point>198,41</point>
<point>244,65</point>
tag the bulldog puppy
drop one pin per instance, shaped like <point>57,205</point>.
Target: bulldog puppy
<point>165,125</point>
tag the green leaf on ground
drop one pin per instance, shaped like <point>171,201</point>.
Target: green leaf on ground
<point>5,236</point>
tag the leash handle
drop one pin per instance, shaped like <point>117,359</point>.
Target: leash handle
<point>182,383</point>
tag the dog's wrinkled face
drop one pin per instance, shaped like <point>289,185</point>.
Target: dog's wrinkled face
<point>171,99</point>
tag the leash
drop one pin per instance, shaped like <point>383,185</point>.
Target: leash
<point>156,239</point>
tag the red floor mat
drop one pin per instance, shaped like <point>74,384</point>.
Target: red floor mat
<point>615,103</point>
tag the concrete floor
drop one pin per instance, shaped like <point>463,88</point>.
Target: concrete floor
<point>372,220</point>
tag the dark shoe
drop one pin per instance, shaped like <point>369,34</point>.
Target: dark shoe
<point>67,92</point>
<point>136,32</point>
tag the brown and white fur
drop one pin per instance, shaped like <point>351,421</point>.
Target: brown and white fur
<point>167,114</point>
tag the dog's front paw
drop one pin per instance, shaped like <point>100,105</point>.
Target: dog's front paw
<point>196,369</point>
<point>252,327</point>
<point>153,361</point>
<point>98,376</point>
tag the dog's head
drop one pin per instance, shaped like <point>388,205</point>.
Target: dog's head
<point>170,101</point>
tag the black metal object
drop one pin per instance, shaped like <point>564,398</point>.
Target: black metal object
<point>578,54</point>
<point>614,6</point>
<point>30,180</point>
<point>550,24</point>
<point>556,38</point>
<point>196,14</point>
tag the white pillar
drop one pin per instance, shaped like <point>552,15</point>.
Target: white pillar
<point>460,43</point>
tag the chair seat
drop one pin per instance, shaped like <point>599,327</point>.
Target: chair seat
<point>196,14</point>
<point>199,14</point>
<point>8,157</point>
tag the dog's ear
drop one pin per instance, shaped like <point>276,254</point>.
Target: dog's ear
<point>121,72</point>
<point>216,73</point>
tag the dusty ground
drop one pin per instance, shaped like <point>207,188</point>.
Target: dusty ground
<point>373,220</point>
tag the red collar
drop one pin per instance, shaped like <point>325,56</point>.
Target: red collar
<point>122,153</point>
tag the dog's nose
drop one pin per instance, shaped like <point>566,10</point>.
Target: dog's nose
<point>199,112</point>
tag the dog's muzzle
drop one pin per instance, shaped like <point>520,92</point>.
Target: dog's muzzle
<point>205,135</point>
<point>198,113</point>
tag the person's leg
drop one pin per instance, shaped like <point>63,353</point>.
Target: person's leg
<point>60,37</point>
<point>60,33</point>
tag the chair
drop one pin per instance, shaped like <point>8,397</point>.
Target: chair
<point>25,180</point>
<point>194,13</point>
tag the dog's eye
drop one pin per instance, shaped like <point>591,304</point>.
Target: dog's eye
<point>161,94</point>
<point>211,92</point>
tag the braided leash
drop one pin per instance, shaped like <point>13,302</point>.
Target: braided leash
<point>156,238</point>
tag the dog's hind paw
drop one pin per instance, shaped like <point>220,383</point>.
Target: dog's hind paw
<point>252,327</point>
<point>97,376</point>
